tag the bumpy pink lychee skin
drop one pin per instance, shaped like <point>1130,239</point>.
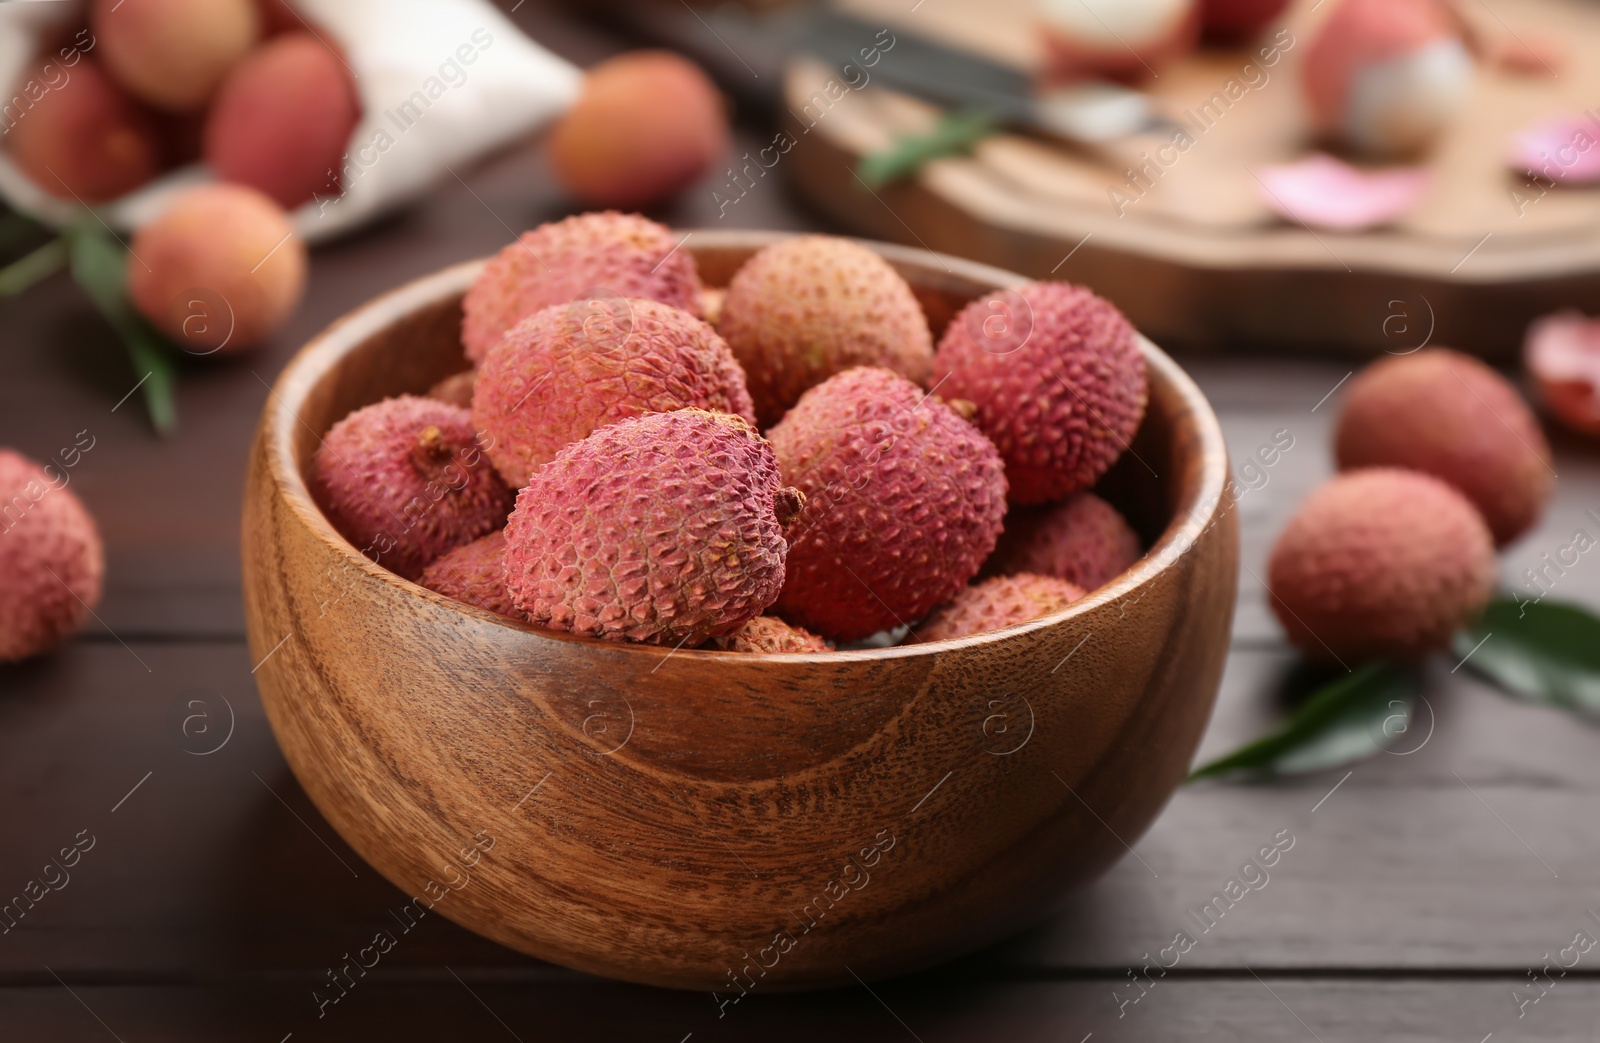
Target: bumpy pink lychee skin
<point>1058,379</point>
<point>663,529</point>
<point>50,557</point>
<point>803,309</point>
<point>997,603</point>
<point>406,480</point>
<point>1380,562</point>
<point>904,501</point>
<point>557,377</point>
<point>606,255</point>
<point>1083,540</point>
<point>474,573</point>
<point>769,634</point>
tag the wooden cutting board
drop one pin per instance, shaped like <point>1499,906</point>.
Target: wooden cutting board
<point>1197,257</point>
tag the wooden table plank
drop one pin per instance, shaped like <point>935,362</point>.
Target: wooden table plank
<point>465,1005</point>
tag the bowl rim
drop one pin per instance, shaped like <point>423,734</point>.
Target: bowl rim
<point>1195,514</point>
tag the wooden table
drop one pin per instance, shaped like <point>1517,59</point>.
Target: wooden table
<point>1420,890</point>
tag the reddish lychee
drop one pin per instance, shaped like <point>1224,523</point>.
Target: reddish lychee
<point>1083,540</point>
<point>1058,379</point>
<point>474,573</point>
<point>803,309</point>
<point>770,634</point>
<point>456,389</point>
<point>997,603</point>
<point>597,259</point>
<point>406,480</point>
<point>1380,562</point>
<point>1451,416</point>
<point>647,125</point>
<point>904,501</point>
<point>666,528</point>
<point>50,555</point>
<point>558,376</point>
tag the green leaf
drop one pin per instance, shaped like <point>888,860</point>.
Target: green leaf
<point>21,274</point>
<point>1345,720</point>
<point>955,134</point>
<point>99,264</point>
<point>1541,651</point>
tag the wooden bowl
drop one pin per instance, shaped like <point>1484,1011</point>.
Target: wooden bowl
<point>719,820</point>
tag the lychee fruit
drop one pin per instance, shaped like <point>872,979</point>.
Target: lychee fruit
<point>666,528</point>
<point>1562,353</point>
<point>173,53</point>
<point>1083,540</point>
<point>50,555</point>
<point>904,501</point>
<point>1380,562</point>
<point>83,138</point>
<point>406,480</point>
<point>803,309</point>
<point>598,259</point>
<point>1130,40</point>
<point>997,603</point>
<point>646,126</point>
<point>1387,76</point>
<point>282,120</point>
<point>1237,21</point>
<point>1058,380</point>
<point>456,389</point>
<point>564,372</point>
<point>219,270</point>
<point>770,634</point>
<point>475,573</point>
<point>1451,416</point>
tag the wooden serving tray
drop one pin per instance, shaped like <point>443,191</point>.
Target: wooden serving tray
<point>1198,257</point>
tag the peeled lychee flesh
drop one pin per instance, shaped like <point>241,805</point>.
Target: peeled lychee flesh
<point>1387,76</point>
<point>1129,40</point>
<point>50,555</point>
<point>803,309</point>
<point>474,573</point>
<point>1451,416</point>
<point>646,125</point>
<point>1083,540</point>
<point>83,139</point>
<point>1562,353</point>
<point>597,259</point>
<point>219,270</point>
<point>282,121</point>
<point>666,529</point>
<point>1380,563</point>
<point>770,634</point>
<point>904,501</point>
<point>1058,381</point>
<point>998,603</point>
<point>565,372</point>
<point>405,481</point>
<point>173,53</point>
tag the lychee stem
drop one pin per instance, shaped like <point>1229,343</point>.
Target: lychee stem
<point>788,504</point>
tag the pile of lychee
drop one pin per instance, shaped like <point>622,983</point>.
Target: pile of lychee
<point>1441,462</point>
<point>786,465</point>
<point>148,85</point>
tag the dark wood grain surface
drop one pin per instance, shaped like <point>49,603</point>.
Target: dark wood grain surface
<point>1422,887</point>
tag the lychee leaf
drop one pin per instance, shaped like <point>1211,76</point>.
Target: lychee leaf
<point>1346,720</point>
<point>32,267</point>
<point>99,265</point>
<point>1540,651</point>
<point>954,134</point>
